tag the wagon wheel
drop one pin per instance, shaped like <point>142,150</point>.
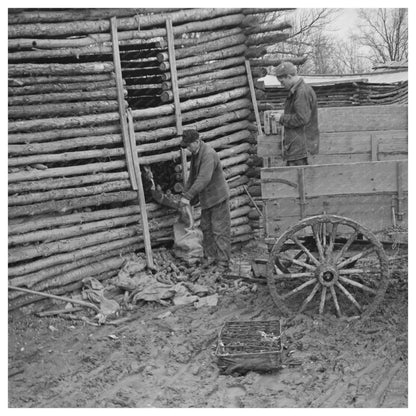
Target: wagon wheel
<point>329,271</point>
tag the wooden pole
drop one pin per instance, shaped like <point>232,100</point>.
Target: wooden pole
<point>122,108</point>
<point>140,192</point>
<point>175,90</point>
<point>253,97</point>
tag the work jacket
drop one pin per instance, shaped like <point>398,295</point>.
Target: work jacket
<point>206,178</point>
<point>300,120</point>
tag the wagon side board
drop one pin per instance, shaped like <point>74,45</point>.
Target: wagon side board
<point>348,135</point>
<point>372,193</point>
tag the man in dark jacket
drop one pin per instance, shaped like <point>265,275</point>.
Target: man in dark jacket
<point>300,117</point>
<point>207,183</point>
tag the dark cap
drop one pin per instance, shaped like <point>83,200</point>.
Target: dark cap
<point>188,137</point>
<point>284,69</point>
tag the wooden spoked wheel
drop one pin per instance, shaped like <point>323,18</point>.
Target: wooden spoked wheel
<point>327,264</point>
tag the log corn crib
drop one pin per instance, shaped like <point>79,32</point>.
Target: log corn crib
<point>59,266</point>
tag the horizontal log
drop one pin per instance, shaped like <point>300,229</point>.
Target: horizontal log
<point>65,157</point>
<point>206,88</point>
<point>60,87</point>
<point>62,109</point>
<point>106,94</point>
<point>53,54</point>
<point>155,222</point>
<point>203,38</point>
<point>29,280</point>
<point>71,244</point>
<point>36,174</point>
<point>123,23</point>
<point>267,27</point>
<point>62,122</point>
<point>195,60</point>
<point>94,38</point>
<point>266,39</point>
<point>276,61</point>
<point>71,204</point>
<point>61,134</point>
<point>257,10</point>
<point>208,67</point>
<point>60,79</point>
<point>234,160</point>
<point>80,217</point>
<point>68,193</point>
<point>232,171</point>
<point>68,15</point>
<point>254,52</point>
<point>71,256</point>
<point>210,76</point>
<point>16,70</point>
<point>61,183</point>
<point>204,48</point>
<point>62,145</point>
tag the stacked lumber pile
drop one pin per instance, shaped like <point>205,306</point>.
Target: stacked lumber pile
<point>72,210</point>
<point>340,94</point>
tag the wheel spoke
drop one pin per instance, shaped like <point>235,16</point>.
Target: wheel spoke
<point>298,262</point>
<point>294,275</point>
<point>334,297</point>
<point>307,252</point>
<point>332,239</point>
<point>346,246</point>
<point>358,271</point>
<point>299,288</point>
<point>356,257</point>
<point>359,285</point>
<point>310,297</point>
<point>322,303</point>
<point>349,296</point>
<point>318,242</point>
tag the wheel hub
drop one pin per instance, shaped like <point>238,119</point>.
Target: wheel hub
<point>327,274</point>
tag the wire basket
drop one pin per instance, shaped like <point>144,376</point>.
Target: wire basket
<point>250,345</point>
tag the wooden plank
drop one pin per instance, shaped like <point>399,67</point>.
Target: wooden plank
<point>253,97</point>
<point>175,91</point>
<point>372,211</point>
<point>334,179</point>
<point>121,105</point>
<point>344,146</point>
<point>269,146</point>
<point>362,118</point>
<point>140,193</point>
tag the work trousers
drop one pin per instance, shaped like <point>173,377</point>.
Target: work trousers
<point>216,230</point>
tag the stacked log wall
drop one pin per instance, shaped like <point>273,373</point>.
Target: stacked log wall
<point>72,210</point>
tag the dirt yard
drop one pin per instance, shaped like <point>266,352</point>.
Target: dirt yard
<point>164,357</point>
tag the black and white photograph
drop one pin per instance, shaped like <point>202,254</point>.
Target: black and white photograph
<point>208,207</point>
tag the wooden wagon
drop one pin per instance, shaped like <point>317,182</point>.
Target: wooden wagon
<point>326,222</point>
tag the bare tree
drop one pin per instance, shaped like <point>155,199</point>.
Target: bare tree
<point>307,39</point>
<point>348,57</point>
<point>385,32</point>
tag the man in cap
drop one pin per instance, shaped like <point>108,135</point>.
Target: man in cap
<point>300,117</point>
<point>207,183</point>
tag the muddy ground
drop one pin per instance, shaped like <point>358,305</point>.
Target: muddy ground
<point>165,360</point>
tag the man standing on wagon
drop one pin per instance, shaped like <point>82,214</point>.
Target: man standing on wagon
<point>300,117</point>
<point>207,183</point>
